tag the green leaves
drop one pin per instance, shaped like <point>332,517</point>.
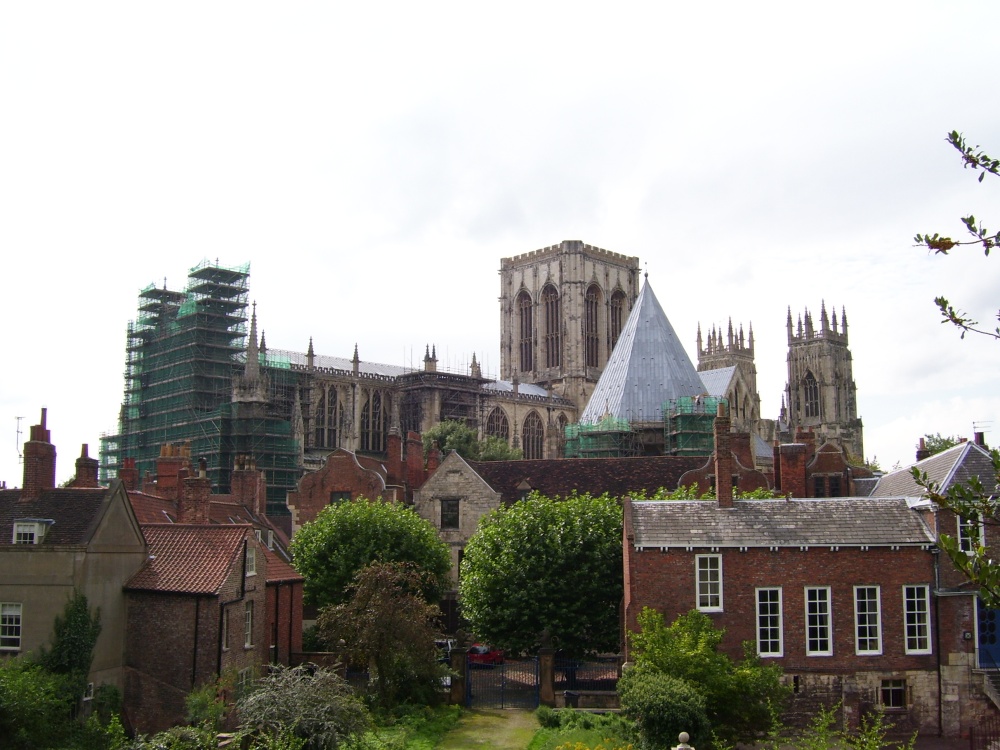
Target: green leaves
<point>546,568</point>
<point>972,158</point>
<point>347,537</point>
<point>976,503</point>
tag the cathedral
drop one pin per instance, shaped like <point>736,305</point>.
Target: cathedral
<point>585,350</point>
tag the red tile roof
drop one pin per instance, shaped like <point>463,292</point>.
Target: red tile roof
<point>189,559</point>
<point>278,569</point>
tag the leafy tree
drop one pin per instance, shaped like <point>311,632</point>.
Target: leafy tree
<point>35,707</point>
<point>546,566</point>
<point>388,625</point>
<point>349,536</point>
<point>455,435</point>
<point>301,707</point>
<point>740,697</point>
<point>977,503</point>
<point>690,492</point>
<point>937,442</point>
<point>975,159</point>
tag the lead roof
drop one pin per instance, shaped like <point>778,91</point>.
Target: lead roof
<point>647,367</point>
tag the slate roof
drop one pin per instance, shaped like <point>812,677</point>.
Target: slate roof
<point>844,522</point>
<point>647,367</point>
<point>957,464</point>
<point>616,476</point>
<point>717,381</point>
<point>189,559</point>
<point>75,512</point>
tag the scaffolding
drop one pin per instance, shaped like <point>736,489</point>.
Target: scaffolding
<point>688,425</point>
<point>183,351</point>
<point>609,438</point>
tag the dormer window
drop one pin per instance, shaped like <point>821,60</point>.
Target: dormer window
<point>30,531</point>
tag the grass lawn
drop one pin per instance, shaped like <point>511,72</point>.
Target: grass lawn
<point>492,730</point>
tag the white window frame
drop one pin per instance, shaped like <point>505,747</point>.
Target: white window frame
<point>27,532</point>
<point>867,616</point>
<point>251,560</point>
<point>713,587</point>
<point>768,620</point>
<point>248,625</point>
<point>917,607</point>
<point>971,533</point>
<point>11,625</point>
<point>823,621</point>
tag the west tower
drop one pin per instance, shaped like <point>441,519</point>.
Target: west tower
<point>820,394</point>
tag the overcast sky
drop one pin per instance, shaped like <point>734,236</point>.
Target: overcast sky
<point>374,161</point>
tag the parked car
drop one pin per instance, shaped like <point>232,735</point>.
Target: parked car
<point>485,656</point>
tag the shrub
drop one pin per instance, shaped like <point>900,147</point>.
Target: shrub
<point>662,707</point>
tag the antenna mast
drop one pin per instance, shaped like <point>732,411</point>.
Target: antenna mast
<point>17,440</point>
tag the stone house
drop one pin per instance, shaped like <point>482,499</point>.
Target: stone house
<point>54,541</point>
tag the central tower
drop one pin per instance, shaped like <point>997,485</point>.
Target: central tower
<point>561,311</point>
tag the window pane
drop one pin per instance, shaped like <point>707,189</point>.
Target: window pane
<point>10,626</point>
<point>917,619</point>
<point>867,626</point>
<point>769,622</point>
<point>709,581</point>
<point>818,622</point>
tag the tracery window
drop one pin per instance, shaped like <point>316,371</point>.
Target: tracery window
<point>374,423</point>
<point>591,337</point>
<point>532,436</point>
<point>497,425</point>
<point>553,326</point>
<point>617,316</point>
<point>811,388</point>
<point>327,418</point>
<point>525,331</point>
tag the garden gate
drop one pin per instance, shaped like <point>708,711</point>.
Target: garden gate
<point>512,684</point>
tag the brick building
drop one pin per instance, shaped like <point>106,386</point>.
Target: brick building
<point>196,610</point>
<point>849,595</point>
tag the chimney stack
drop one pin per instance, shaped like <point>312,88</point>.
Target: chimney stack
<point>86,469</point>
<point>196,493</point>
<point>922,451</point>
<point>39,462</point>
<point>129,474</point>
<point>723,458</point>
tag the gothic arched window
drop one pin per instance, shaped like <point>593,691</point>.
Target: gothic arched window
<point>553,326</point>
<point>811,394</point>
<point>374,423</point>
<point>591,337</point>
<point>327,418</point>
<point>532,436</point>
<point>497,425</point>
<point>561,423</point>
<point>525,329</point>
<point>617,316</point>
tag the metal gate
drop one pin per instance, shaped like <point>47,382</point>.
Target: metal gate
<point>512,684</point>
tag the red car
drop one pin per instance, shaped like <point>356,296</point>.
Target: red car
<point>486,656</point>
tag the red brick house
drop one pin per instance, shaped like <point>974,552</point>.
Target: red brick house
<point>196,610</point>
<point>849,595</point>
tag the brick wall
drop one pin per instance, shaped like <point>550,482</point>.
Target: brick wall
<point>340,473</point>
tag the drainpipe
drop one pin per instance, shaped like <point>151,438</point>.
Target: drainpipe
<point>936,557</point>
<point>194,650</point>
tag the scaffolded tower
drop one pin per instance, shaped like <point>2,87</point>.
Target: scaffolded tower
<point>688,425</point>
<point>183,352</point>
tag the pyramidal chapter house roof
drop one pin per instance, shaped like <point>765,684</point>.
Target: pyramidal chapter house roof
<point>647,367</point>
